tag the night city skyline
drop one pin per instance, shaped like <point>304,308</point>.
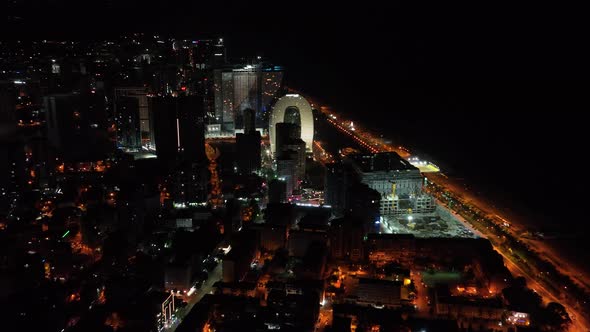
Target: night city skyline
<point>233,166</point>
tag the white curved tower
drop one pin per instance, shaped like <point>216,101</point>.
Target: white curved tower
<point>292,102</point>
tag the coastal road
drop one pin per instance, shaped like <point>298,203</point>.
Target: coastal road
<point>580,322</point>
<point>516,229</point>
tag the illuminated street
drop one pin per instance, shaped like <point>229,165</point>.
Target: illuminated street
<point>515,227</point>
<point>325,317</point>
<point>520,267</point>
<point>444,184</point>
<point>206,288</point>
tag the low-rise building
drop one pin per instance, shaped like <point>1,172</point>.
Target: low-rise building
<point>466,307</point>
<point>378,293</point>
<point>387,248</point>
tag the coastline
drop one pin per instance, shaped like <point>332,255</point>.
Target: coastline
<point>562,253</point>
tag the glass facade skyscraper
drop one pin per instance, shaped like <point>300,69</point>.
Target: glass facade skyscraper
<point>145,133</point>
<point>251,86</point>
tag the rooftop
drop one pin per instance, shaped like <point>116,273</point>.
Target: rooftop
<point>374,281</point>
<point>384,161</point>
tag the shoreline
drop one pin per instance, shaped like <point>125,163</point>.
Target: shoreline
<point>520,223</point>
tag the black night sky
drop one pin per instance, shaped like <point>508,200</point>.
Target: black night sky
<point>404,41</point>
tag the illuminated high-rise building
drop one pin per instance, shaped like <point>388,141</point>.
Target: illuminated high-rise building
<point>226,112</point>
<point>146,138</point>
<point>293,109</point>
<point>245,87</point>
<point>128,124</point>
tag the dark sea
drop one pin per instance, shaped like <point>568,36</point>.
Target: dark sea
<point>523,145</point>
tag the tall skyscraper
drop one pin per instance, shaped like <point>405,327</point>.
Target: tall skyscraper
<point>226,114</point>
<point>144,131</point>
<point>339,178</point>
<point>297,146</point>
<point>189,183</point>
<point>128,124</point>
<point>287,170</point>
<point>249,157</point>
<point>195,64</point>
<point>251,86</point>
<point>348,196</point>
<point>179,127</point>
<point>191,128</point>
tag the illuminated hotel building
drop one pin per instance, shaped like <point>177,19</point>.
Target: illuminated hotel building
<point>251,86</point>
<point>292,108</point>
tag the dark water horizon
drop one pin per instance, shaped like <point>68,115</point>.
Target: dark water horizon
<point>522,142</point>
<point>521,145</point>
